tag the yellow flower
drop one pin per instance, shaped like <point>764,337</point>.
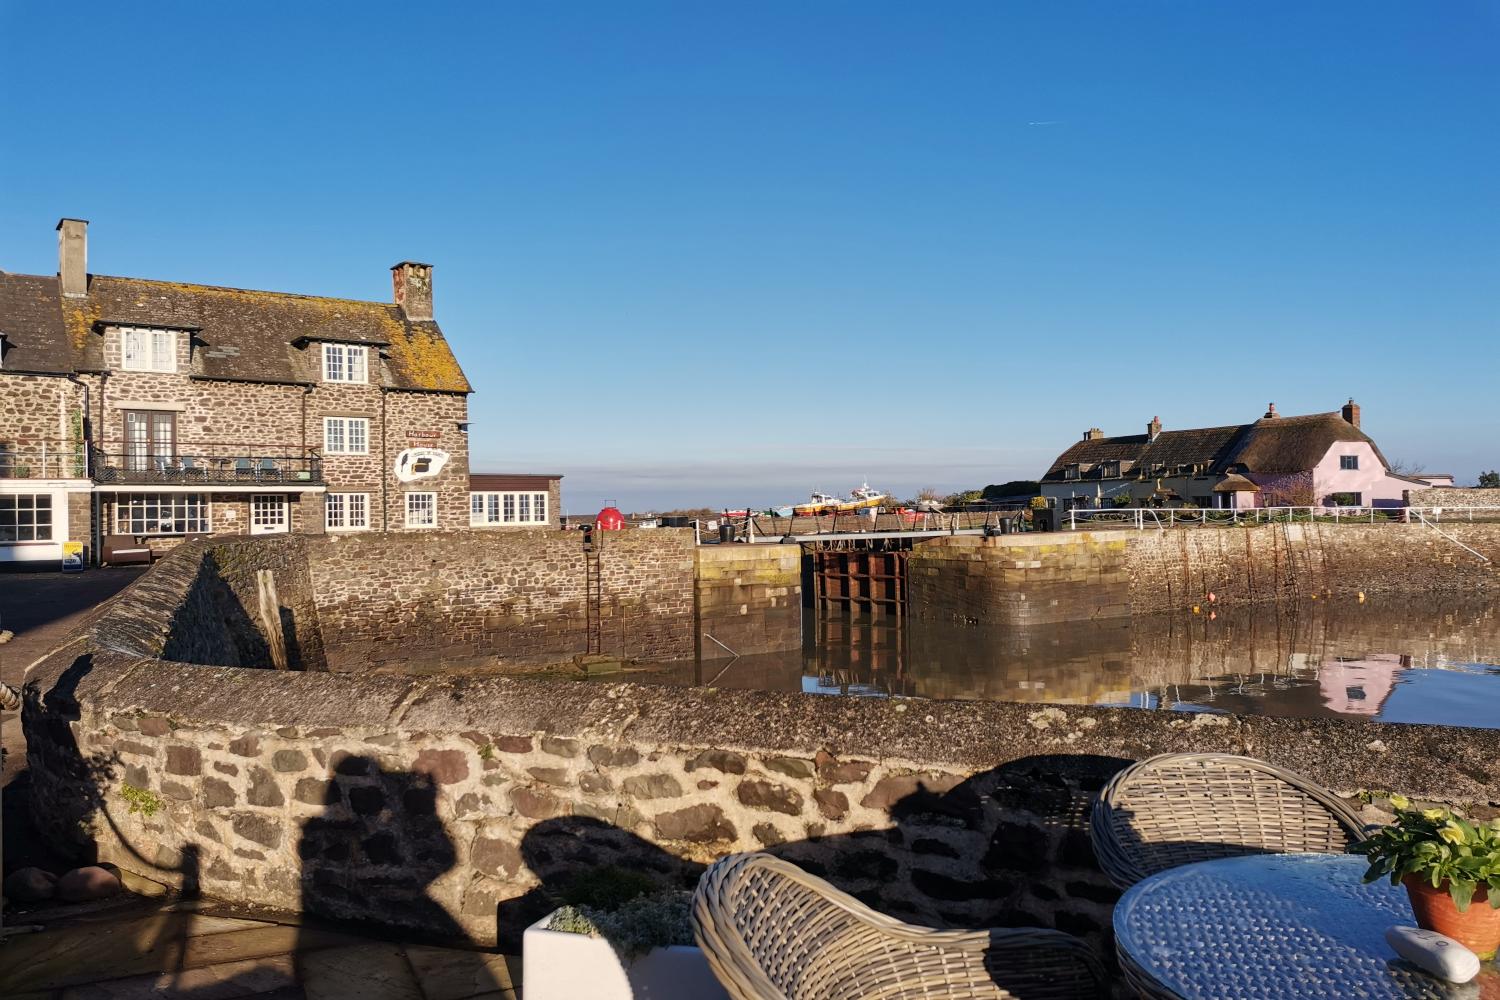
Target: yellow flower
<point>1400,802</point>
<point>1451,832</point>
<point>1434,814</point>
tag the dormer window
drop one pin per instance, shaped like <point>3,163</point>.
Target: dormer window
<point>345,363</point>
<point>145,349</point>
<point>1072,471</point>
<point>1109,470</point>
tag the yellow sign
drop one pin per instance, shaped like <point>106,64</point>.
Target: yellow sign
<point>72,557</point>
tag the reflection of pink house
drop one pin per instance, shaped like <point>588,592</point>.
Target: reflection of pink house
<point>1360,687</point>
<point>1318,459</point>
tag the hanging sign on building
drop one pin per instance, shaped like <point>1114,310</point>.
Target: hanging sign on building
<point>419,463</point>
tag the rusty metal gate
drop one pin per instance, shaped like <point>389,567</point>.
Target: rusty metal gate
<point>859,577</point>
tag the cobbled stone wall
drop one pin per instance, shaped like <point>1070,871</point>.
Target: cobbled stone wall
<point>1455,496</point>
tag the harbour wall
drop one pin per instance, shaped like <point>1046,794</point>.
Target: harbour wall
<point>1038,579</point>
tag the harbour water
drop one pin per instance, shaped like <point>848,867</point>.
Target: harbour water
<point>1425,660</point>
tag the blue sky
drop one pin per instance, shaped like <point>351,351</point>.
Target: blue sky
<point>724,254</point>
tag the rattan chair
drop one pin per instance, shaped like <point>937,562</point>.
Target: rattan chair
<point>1184,807</point>
<point>771,931</point>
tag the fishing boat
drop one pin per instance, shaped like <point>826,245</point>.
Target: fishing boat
<point>862,498</point>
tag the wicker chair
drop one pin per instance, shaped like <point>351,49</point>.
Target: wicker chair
<point>1184,807</point>
<point>773,932</point>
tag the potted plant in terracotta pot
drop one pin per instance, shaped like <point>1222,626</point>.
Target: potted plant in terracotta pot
<point>1450,866</point>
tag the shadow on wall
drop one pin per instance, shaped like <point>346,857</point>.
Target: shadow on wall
<point>223,627</point>
<point>1003,848</point>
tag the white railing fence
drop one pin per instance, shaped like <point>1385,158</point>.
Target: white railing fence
<point>1167,517</point>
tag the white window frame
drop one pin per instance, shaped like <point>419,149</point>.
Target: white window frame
<point>338,510</point>
<point>1348,463</point>
<point>349,363</point>
<point>143,513</point>
<point>341,445</point>
<point>11,516</point>
<point>501,508</point>
<point>157,351</point>
<point>423,518</point>
<point>270,514</point>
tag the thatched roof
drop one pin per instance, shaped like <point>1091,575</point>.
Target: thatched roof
<point>1269,445</point>
<point>1236,483</point>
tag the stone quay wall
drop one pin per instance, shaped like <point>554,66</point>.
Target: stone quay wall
<point>749,598</point>
<point>1032,579</point>
<point>1039,579</point>
<point>475,597</point>
<point>1171,570</point>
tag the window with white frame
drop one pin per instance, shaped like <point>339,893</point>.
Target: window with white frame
<point>25,517</point>
<point>346,436</point>
<point>1348,462</point>
<point>345,363</point>
<point>347,511</point>
<point>143,349</point>
<point>161,514</point>
<point>421,510</point>
<point>489,508</point>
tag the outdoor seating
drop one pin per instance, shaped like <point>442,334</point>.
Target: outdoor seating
<point>1176,809</point>
<point>771,931</point>
<point>121,550</point>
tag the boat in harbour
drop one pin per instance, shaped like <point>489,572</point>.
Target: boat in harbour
<point>861,498</point>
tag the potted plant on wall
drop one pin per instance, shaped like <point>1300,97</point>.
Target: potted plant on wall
<point>1450,866</point>
<point>618,936</point>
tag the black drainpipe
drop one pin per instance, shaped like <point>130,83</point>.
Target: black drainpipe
<point>385,514</point>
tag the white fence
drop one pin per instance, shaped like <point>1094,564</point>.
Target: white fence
<point>1169,517</point>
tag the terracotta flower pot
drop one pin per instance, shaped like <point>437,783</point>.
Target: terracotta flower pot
<point>1477,928</point>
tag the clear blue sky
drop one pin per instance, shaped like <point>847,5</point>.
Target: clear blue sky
<point>721,254</point>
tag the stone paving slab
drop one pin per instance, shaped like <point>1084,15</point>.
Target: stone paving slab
<point>368,971</point>
<point>228,981</point>
<point>446,974</point>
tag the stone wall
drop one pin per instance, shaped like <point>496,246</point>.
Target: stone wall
<point>1020,580</point>
<point>749,598</point>
<point>1454,496</point>
<point>471,597</point>
<point>1175,569</point>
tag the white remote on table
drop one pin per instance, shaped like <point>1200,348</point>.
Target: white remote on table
<point>1435,953</point>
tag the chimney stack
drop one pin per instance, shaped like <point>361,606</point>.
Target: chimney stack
<point>413,285</point>
<point>1153,429</point>
<point>1350,412</point>
<point>1270,411</point>
<point>1093,434</point>
<point>73,257</point>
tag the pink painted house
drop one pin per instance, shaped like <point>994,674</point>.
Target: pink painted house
<point>1319,459</point>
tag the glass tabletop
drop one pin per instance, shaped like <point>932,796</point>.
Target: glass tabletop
<point>1275,926</point>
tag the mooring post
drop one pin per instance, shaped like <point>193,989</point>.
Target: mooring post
<point>270,617</point>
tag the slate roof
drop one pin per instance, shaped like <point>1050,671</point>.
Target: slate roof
<point>1269,445</point>
<point>238,334</point>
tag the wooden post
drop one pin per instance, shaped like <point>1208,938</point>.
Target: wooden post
<point>270,617</point>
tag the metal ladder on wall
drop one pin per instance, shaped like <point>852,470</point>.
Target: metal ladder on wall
<point>593,598</point>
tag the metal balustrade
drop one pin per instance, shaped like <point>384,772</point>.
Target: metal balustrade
<point>1169,517</point>
<point>224,467</point>
<point>43,458</point>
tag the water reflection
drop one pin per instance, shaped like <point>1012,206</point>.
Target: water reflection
<point>1433,661</point>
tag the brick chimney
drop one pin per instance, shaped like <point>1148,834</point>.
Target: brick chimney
<point>1093,434</point>
<point>1270,412</point>
<point>1153,429</point>
<point>73,257</point>
<point>413,285</point>
<point>1350,412</point>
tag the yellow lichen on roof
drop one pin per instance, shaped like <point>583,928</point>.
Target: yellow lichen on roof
<point>79,317</point>
<point>426,359</point>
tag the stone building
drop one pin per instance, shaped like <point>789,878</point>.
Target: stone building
<point>515,500</point>
<point>1318,459</point>
<point>148,411</point>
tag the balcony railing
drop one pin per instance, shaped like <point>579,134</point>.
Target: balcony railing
<point>216,467</point>
<point>38,458</point>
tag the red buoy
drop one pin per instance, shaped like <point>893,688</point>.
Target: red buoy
<point>610,519</point>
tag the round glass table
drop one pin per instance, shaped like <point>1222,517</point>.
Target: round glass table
<point>1274,926</point>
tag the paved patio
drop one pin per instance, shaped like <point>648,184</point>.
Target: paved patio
<point>132,948</point>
